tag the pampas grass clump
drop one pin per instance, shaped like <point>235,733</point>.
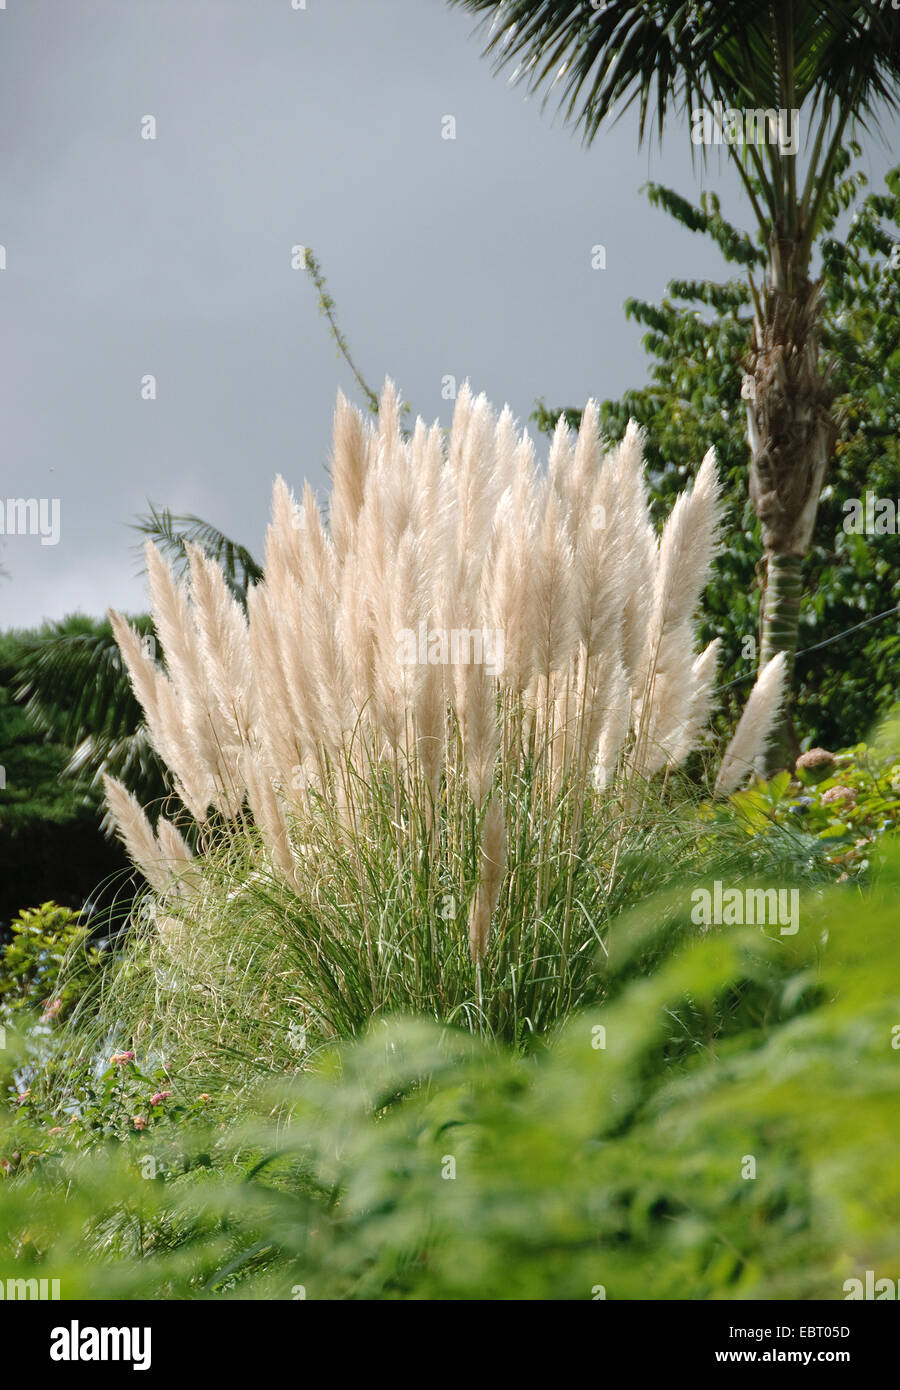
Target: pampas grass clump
<point>424,741</point>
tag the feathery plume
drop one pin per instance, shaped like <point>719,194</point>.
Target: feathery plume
<point>268,814</point>
<point>136,834</point>
<point>615,727</point>
<point>754,726</point>
<point>358,692</point>
<point>685,554</point>
<point>477,711</point>
<point>554,625</point>
<point>703,673</point>
<point>350,460</point>
<point>630,524</point>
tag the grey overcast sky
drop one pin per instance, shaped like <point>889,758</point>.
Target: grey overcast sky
<point>172,257</point>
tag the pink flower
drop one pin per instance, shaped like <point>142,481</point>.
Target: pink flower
<point>23,1096</point>
<point>203,1096</point>
<point>160,1097</point>
<point>51,1008</point>
<point>139,1122</point>
<point>120,1058</point>
<point>57,1129</point>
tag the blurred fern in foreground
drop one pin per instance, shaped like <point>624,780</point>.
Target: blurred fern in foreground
<point>421,1162</point>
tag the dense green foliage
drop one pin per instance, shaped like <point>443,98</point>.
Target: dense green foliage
<point>43,941</point>
<point>844,807</point>
<point>51,845</point>
<point>72,681</point>
<point>257,975</point>
<point>722,1126</point>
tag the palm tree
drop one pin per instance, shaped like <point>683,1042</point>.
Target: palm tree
<point>836,62</point>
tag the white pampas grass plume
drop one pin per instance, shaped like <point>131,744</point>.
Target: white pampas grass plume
<point>349,465</point>
<point>663,706</point>
<point>459,425</point>
<point>703,673</point>
<point>356,629</point>
<point>430,728</point>
<point>477,492</point>
<point>505,448</point>
<point>554,617</point>
<point>596,689</point>
<point>318,561</point>
<point>140,666</point>
<point>286,620</point>
<point>559,464</point>
<point>136,834</point>
<point>195,781</point>
<point>615,727</point>
<point>507,589</point>
<point>638,553</point>
<point>165,724</point>
<point>389,417</point>
<point>662,682</point>
<point>588,458</point>
<point>222,632</point>
<point>598,576</point>
<point>189,721</point>
<point>268,814</point>
<point>284,548</point>
<point>173,622</point>
<point>324,650</point>
<point>176,854</point>
<point>685,553</point>
<point>276,730</point>
<point>172,843</point>
<point>476,694</point>
<point>755,725</point>
<point>165,720</point>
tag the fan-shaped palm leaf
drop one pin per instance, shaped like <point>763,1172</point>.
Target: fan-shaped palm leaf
<point>173,532</point>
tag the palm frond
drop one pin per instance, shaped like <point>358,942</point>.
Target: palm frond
<point>172,532</point>
<point>75,689</point>
<point>841,57</point>
<point>75,684</point>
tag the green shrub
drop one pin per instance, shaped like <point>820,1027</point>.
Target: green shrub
<point>44,940</point>
<point>249,978</point>
<point>841,807</point>
<point>616,1159</point>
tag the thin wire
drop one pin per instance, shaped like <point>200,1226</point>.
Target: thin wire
<point>867,622</point>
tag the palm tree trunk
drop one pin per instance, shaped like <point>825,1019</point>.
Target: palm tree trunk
<point>790,433</point>
<point>780,617</point>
